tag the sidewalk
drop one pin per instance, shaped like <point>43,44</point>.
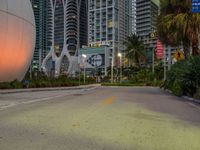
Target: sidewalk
<point>8,91</point>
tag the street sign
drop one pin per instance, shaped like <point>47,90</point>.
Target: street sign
<point>159,49</point>
<point>153,34</point>
<point>179,55</point>
<point>196,6</point>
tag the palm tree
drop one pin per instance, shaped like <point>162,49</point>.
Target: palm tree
<point>135,51</point>
<point>178,25</point>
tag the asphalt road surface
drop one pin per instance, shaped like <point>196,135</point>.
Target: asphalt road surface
<point>105,118</point>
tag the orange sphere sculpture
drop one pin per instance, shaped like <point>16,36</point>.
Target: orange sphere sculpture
<point>17,38</point>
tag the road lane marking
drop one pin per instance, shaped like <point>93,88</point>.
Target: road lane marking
<point>109,100</point>
<point>195,106</point>
<point>96,107</point>
<point>76,125</point>
<point>69,93</point>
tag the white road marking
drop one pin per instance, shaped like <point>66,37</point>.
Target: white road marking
<point>193,105</point>
<point>45,99</point>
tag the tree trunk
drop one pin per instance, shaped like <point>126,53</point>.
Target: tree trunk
<point>195,47</point>
<point>186,48</point>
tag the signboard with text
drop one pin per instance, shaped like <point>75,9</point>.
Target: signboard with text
<point>196,6</point>
<point>159,49</point>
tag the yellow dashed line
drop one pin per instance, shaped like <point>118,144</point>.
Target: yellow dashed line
<point>76,125</point>
<point>109,101</point>
<point>90,114</point>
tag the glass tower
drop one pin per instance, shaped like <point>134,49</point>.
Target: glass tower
<point>58,21</point>
<point>40,13</point>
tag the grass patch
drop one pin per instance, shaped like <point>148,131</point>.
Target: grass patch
<point>123,84</point>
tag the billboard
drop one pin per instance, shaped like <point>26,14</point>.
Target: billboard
<point>94,58</point>
<point>159,49</point>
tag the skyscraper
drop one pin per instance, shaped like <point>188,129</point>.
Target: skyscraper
<point>83,37</point>
<point>58,21</point>
<point>110,22</point>
<point>146,15</point>
<point>40,13</point>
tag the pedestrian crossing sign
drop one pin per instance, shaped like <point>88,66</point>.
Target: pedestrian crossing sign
<point>179,55</point>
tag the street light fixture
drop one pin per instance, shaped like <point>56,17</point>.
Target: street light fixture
<point>84,56</point>
<point>120,58</point>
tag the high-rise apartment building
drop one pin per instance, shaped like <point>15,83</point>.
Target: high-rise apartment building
<point>83,4</point>
<point>146,15</point>
<point>40,13</point>
<point>62,27</point>
<point>110,22</point>
<point>134,16</point>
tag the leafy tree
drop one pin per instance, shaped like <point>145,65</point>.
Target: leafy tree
<point>178,25</point>
<point>135,51</point>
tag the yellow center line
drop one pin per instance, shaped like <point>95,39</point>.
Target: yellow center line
<point>109,100</point>
<point>96,108</point>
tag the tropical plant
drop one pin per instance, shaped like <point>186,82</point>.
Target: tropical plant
<point>135,51</point>
<point>177,25</point>
<point>185,75</point>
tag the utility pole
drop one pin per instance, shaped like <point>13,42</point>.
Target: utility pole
<point>169,57</point>
<point>78,38</point>
<point>165,63</point>
<point>112,64</point>
<point>153,59</point>
<point>120,59</point>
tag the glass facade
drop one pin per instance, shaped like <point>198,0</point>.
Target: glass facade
<point>58,27</point>
<point>110,22</point>
<point>40,13</point>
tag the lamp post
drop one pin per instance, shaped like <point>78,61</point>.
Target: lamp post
<point>78,38</point>
<point>84,59</point>
<point>112,67</point>
<point>153,60</point>
<point>120,58</point>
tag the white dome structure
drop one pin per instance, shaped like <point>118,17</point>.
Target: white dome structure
<point>17,38</point>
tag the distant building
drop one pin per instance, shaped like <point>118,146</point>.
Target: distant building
<point>58,37</point>
<point>110,22</point>
<point>40,13</point>
<point>83,22</point>
<point>146,15</point>
<point>134,16</point>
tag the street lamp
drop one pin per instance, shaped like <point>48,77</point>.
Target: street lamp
<point>120,58</point>
<point>84,60</point>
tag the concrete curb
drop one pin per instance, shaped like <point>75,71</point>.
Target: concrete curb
<point>10,91</point>
<point>186,98</point>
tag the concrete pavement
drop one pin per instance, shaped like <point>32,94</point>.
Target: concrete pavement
<point>106,118</point>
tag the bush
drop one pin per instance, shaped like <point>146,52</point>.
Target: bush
<point>42,82</point>
<point>197,94</point>
<point>186,74</point>
<point>5,85</point>
<point>122,84</point>
<point>177,89</point>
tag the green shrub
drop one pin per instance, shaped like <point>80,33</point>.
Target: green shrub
<point>197,94</point>
<point>122,84</point>
<point>5,85</point>
<point>16,84</point>
<point>187,73</point>
<point>177,89</point>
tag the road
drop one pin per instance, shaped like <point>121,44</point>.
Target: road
<point>105,118</point>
